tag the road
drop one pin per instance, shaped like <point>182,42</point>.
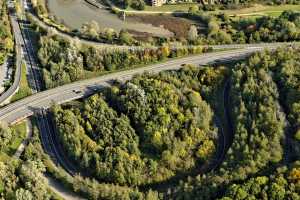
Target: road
<point>59,189</point>
<point>41,100</point>
<point>37,103</point>
<point>258,12</point>
<point>75,37</point>
<point>18,59</point>
<point>24,144</point>
<point>34,76</point>
<point>79,40</point>
<point>31,105</point>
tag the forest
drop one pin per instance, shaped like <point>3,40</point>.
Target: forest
<point>166,124</point>
<point>89,30</point>
<point>261,124</point>
<point>20,179</point>
<point>283,183</point>
<point>205,4</point>
<point>64,61</point>
<point>205,28</point>
<point>222,29</point>
<point>6,41</point>
<point>144,131</point>
<point>213,132</point>
<point>23,181</point>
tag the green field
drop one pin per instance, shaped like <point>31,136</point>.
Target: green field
<point>24,89</point>
<point>260,10</point>
<point>171,8</point>
<point>255,10</point>
<point>19,134</point>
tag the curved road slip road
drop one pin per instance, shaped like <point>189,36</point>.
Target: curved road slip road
<point>36,103</point>
<point>224,135</point>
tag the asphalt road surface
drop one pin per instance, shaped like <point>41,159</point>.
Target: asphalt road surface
<point>19,44</point>
<point>42,100</point>
<point>34,104</point>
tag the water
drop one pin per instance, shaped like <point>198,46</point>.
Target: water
<point>74,13</point>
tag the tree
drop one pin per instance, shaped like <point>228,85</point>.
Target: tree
<point>193,33</point>
<point>5,136</point>
<point>125,37</point>
<point>297,135</point>
<point>90,29</point>
<point>142,131</point>
<point>127,3</point>
<point>31,175</point>
<point>193,9</point>
<point>213,27</point>
<point>22,194</point>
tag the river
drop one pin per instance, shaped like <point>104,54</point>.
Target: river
<point>74,13</point>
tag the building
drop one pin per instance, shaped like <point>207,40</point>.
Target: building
<point>158,2</point>
<point>162,2</point>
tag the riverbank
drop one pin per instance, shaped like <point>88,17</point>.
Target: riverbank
<point>75,13</point>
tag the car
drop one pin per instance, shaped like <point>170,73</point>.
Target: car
<point>77,91</point>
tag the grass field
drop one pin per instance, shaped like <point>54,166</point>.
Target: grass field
<point>171,8</point>
<point>19,134</point>
<point>255,10</point>
<point>24,89</point>
<point>259,10</point>
<point>182,7</point>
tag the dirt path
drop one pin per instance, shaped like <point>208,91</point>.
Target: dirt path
<point>59,189</point>
<point>54,185</point>
<point>23,145</point>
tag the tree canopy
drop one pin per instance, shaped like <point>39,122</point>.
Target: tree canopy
<point>142,131</point>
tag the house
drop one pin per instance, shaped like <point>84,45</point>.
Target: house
<point>158,2</point>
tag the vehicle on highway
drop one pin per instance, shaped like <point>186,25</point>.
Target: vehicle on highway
<point>77,91</point>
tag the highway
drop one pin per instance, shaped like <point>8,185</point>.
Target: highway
<point>38,103</point>
<point>34,75</point>
<point>42,100</point>
<point>29,106</point>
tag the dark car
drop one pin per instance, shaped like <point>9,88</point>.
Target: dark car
<point>77,91</point>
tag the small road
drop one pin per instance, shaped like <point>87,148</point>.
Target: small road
<point>55,186</point>
<point>112,6</point>
<point>59,189</point>
<point>79,40</point>
<point>4,98</point>
<point>225,138</point>
<point>42,100</point>
<point>34,76</point>
<point>74,37</point>
<point>23,145</point>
